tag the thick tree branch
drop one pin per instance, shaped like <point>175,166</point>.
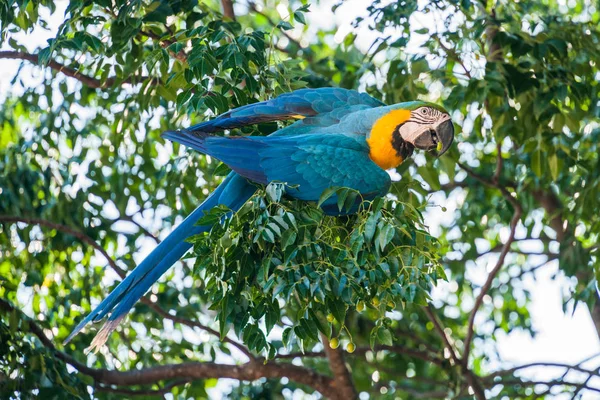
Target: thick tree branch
<point>342,379</point>
<point>82,237</point>
<point>228,9</point>
<point>187,371</point>
<point>85,79</point>
<point>191,371</point>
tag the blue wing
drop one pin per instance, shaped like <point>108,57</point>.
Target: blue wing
<point>298,104</point>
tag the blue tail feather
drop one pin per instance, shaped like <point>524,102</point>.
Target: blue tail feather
<point>233,193</point>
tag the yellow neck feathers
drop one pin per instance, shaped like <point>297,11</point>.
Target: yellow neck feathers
<point>380,141</point>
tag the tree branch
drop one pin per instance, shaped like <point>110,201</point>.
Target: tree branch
<point>249,371</point>
<point>440,330</point>
<point>194,370</point>
<point>488,283</point>
<point>471,378</point>
<point>556,382</point>
<point>70,72</point>
<point>82,237</point>
<point>228,9</point>
<point>146,232</point>
<point>511,371</point>
<point>451,53</point>
<point>342,380</point>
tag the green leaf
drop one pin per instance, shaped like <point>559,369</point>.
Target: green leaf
<point>321,323</point>
<point>553,164</point>
<point>338,309</point>
<point>272,316</point>
<point>327,193</point>
<point>222,170</point>
<point>299,16</point>
<point>371,226</point>
<point>288,237</point>
<point>284,25</point>
<point>385,337</point>
<point>385,236</point>
<point>286,337</point>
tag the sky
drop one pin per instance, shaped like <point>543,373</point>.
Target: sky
<point>565,338</point>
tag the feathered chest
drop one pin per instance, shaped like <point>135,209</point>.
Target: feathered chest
<point>387,149</point>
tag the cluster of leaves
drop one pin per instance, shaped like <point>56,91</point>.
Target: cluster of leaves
<point>28,368</point>
<point>278,257</point>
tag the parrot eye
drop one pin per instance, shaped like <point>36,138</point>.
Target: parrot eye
<point>424,111</point>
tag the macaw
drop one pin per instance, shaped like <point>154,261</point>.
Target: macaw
<point>342,138</point>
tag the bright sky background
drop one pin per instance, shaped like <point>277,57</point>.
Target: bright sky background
<point>561,338</point>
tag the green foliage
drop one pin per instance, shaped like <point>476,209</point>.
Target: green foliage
<point>31,369</point>
<point>278,257</point>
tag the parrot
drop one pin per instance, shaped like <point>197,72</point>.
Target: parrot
<point>341,138</point>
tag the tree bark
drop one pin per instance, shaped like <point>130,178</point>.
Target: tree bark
<point>342,380</point>
<point>228,9</point>
<point>249,371</point>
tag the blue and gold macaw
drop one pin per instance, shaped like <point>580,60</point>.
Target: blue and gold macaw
<point>342,139</point>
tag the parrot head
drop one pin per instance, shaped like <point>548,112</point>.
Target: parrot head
<point>408,126</point>
<point>428,128</point>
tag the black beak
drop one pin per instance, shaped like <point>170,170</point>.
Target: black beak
<point>437,141</point>
<point>445,134</point>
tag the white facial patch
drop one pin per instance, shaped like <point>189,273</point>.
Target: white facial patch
<point>410,130</point>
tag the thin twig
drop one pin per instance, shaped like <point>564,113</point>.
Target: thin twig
<point>440,330</point>
<point>85,79</point>
<point>453,55</point>
<point>512,370</point>
<point>146,232</point>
